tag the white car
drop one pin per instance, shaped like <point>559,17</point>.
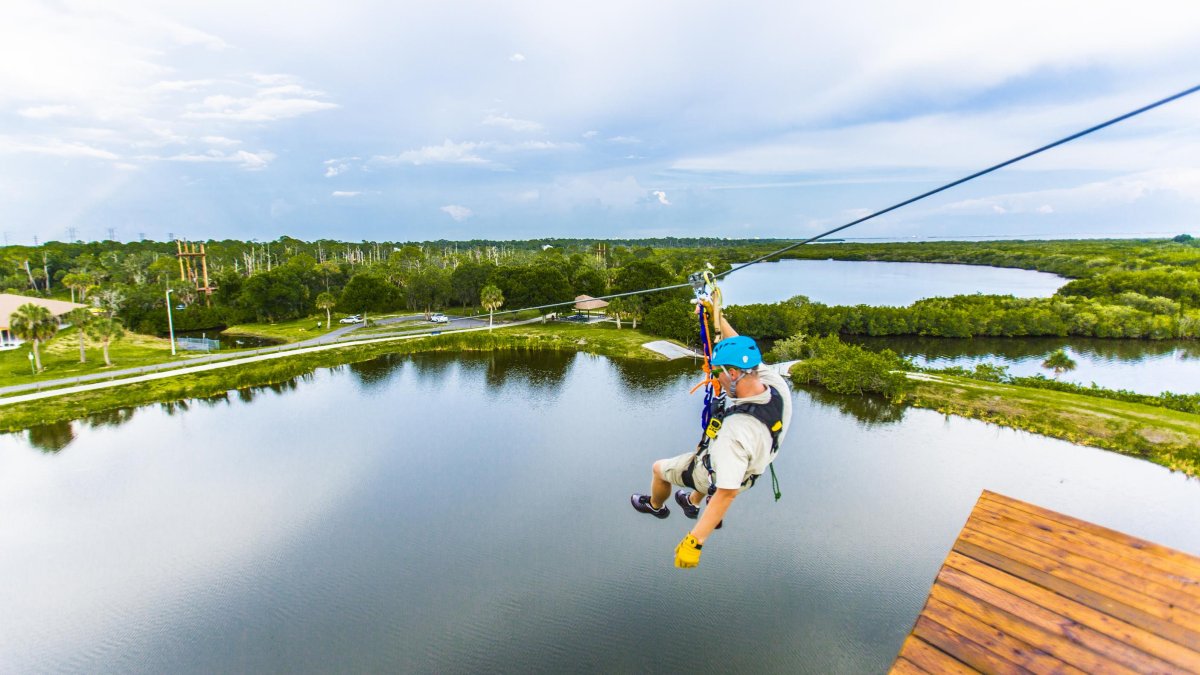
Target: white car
<point>439,318</point>
<point>357,318</point>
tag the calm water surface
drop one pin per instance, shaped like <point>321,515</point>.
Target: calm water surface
<point>470,514</point>
<point>1143,366</point>
<point>852,282</point>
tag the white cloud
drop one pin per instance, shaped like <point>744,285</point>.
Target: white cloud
<point>448,152</point>
<point>42,112</point>
<point>265,105</point>
<point>595,191</point>
<point>53,147</point>
<point>338,166</point>
<point>625,140</point>
<point>507,122</point>
<point>1181,183</point>
<point>345,193</point>
<point>662,197</point>
<point>591,134</point>
<point>458,213</point>
<point>517,58</point>
<point>221,141</point>
<point>250,161</point>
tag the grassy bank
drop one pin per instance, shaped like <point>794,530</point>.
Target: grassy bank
<point>600,339</point>
<point>60,357</point>
<point>1167,437</point>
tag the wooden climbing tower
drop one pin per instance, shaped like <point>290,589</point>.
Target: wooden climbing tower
<point>189,271</point>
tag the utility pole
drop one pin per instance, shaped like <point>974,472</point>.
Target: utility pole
<point>35,241</point>
<point>141,236</point>
<point>70,234</point>
<point>112,235</point>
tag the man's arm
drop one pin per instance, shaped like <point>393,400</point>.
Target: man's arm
<point>713,513</point>
<point>727,331</point>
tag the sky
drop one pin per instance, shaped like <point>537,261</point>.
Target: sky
<point>407,121</point>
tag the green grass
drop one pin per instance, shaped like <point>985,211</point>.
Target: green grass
<point>598,339</point>
<point>1167,437</point>
<point>296,330</point>
<point>60,357</point>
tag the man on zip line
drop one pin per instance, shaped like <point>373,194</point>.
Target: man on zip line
<point>734,452</point>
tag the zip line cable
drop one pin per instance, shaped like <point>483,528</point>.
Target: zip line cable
<point>893,207</point>
<point>973,176</point>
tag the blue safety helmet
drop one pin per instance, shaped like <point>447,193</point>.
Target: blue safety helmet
<point>737,352</point>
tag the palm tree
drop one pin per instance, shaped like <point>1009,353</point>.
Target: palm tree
<point>616,308</point>
<point>634,308</point>
<point>106,330</point>
<point>36,324</point>
<point>78,282</point>
<point>1059,362</point>
<point>80,318</point>
<point>492,299</point>
<point>326,301</point>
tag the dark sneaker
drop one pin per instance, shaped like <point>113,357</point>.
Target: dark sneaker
<point>689,510</point>
<point>642,503</point>
<point>681,498</point>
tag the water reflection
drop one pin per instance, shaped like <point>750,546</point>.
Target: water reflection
<point>110,418</point>
<point>376,372</point>
<point>51,437</point>
<point>871,411</point>
<point>1144,366</point>
<point>652,377</point>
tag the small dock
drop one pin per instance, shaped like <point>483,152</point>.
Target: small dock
<point>1026,589</point>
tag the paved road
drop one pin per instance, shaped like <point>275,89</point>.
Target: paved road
<point>341,334</point>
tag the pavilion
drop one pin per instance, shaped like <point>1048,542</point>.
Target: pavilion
<point>9,304</point>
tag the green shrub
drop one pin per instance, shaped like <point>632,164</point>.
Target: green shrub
<point>847,369</point>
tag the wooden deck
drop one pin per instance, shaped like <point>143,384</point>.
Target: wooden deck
<point>1026,589</point>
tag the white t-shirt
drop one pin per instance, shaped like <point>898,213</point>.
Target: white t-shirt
<point>743,446</point>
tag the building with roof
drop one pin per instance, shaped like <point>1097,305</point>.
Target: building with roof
<point>9,304</point>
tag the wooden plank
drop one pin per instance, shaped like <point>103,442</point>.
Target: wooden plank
<point>1052,565</point>
<point>1181,567</point>
<point>1002,645</point>
<point>1169,597</point>
<point>1083,595</point>
<point>1153,552</point>
<point>1097,548</point>
<point>973,654</point>
<point>1029,633</point>
<point>905,667</point>
<point>1059,625</point>
<point>931,659</point>
<point>1080,614</point>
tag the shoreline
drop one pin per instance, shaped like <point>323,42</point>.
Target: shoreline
<point>1166,437</point>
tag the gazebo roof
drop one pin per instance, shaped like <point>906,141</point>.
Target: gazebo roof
<point>588,302</point>
<point>9,304</point>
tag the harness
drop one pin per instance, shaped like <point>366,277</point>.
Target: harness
<point>769,414</point>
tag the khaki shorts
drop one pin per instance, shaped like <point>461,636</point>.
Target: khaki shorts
<point>672,470</point>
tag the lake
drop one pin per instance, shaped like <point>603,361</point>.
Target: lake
<point>853,282</point>
<point>463,514</point>
<point>1143,366</point>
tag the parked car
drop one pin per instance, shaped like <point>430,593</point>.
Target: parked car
<point>439,318</point>
<point>356,318</point>
<point>576,317</point>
